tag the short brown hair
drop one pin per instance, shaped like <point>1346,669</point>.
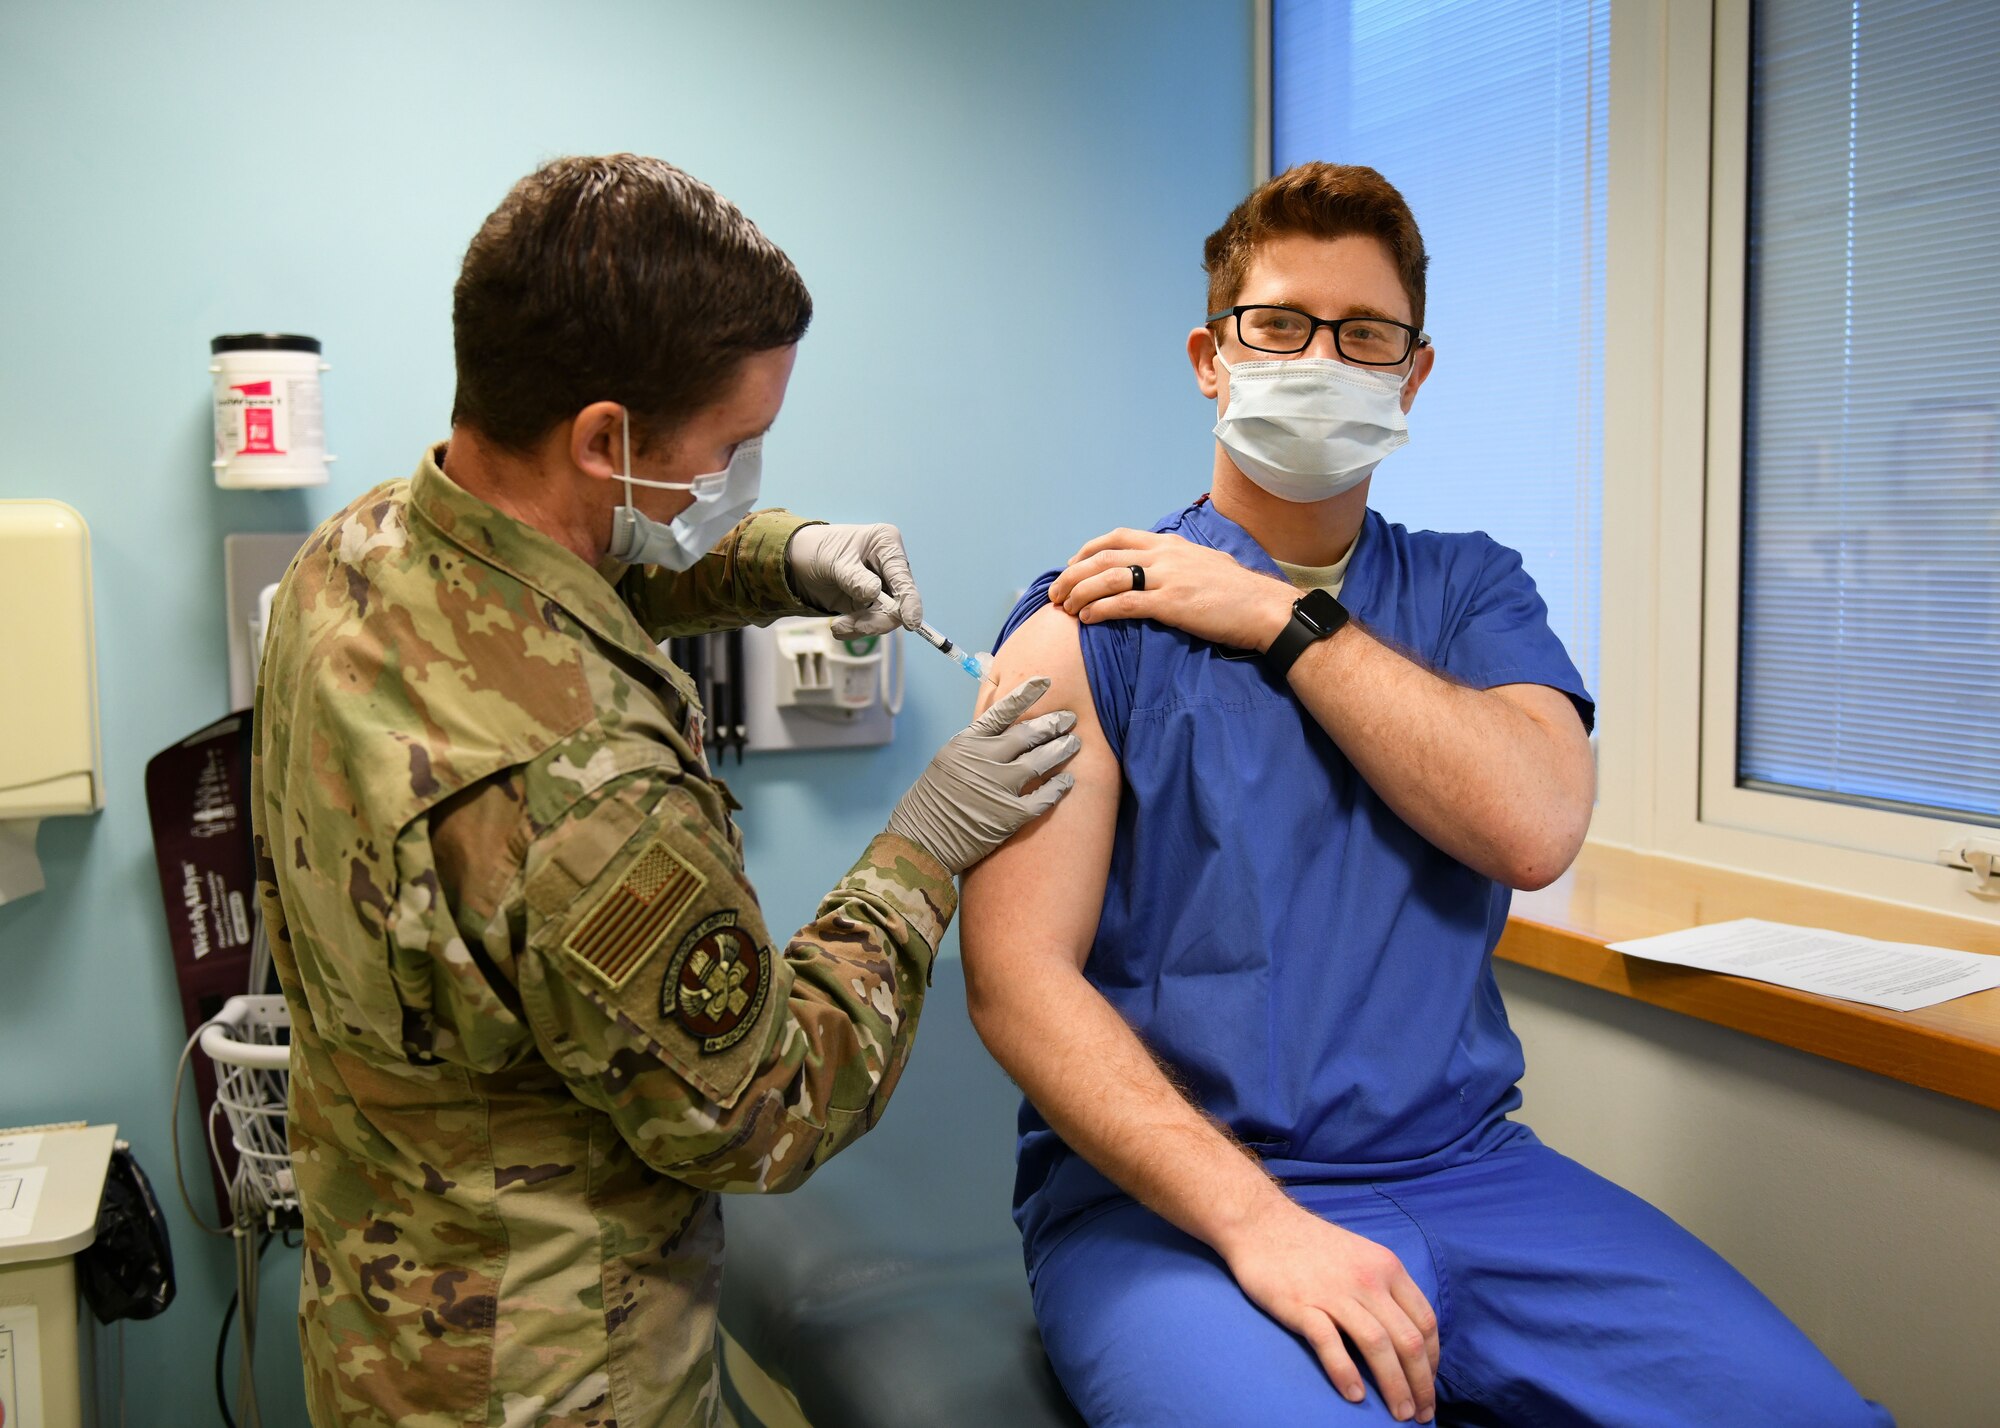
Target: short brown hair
<point>618,279</point>
<point>1320,201</point>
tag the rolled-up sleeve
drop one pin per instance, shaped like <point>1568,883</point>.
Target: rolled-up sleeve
<point>1503,637</point>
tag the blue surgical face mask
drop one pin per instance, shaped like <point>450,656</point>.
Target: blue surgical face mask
<point>721,499</point>
<point>1308,428</point>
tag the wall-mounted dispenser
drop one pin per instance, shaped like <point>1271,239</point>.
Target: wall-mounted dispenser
<point>51,762</point>
<point>270,433</point>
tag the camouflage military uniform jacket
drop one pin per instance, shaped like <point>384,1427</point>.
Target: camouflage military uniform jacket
<point>538,1021</point>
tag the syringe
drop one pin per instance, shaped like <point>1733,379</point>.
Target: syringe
<point>965,659</point>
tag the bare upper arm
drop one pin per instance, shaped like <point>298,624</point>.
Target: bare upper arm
<point>1556,712</point>
<point>1039,896</point>
<point>1563,807</point>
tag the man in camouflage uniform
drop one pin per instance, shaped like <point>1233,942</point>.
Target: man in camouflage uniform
<point>538,1020</point>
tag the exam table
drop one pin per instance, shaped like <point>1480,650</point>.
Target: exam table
<point>889,1291</point>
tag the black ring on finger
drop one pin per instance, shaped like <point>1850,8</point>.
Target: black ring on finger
<point>1138,576</point>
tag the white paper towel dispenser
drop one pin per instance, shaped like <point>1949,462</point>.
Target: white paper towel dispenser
<point>50,758</point>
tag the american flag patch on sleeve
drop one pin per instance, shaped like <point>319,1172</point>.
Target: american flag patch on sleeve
<point>615,937</point>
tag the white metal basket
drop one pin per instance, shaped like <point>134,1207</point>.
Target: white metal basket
<point>247,1041</point>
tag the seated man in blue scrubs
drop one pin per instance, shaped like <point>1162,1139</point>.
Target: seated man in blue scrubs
<point>1243,972</point>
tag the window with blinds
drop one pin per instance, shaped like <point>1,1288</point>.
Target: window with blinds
<point>1870,650</point>
<point>1489,115</point>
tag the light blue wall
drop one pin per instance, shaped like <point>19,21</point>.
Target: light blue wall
<point>1036,177</point>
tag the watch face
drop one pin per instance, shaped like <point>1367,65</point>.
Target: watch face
<point>1320,610</point>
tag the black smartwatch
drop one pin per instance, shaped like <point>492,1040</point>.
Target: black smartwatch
<point>1315,615</point>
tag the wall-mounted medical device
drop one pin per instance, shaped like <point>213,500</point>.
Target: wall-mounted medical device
<point>252,565</point>
<point>792,685</point>
<point>829,678</point>
<point>51,760</point>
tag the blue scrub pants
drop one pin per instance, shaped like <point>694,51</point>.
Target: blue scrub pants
<point>1561,1299</point>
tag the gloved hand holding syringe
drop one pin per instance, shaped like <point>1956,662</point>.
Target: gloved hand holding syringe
<point>972,664</point>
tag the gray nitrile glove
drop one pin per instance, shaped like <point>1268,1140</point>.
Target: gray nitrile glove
<point>969,800</point>
<point>842,569</point>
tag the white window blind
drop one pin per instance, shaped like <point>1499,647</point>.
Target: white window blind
<point>1489,115</point>
<point>1870,653</point>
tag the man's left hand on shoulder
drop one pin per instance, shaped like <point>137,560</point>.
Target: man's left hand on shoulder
<point>1191,587</point>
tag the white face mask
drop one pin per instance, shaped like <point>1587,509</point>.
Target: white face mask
<point>1310,428</point>
<point>721,499</point>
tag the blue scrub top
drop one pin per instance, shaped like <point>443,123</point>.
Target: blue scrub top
<point>1318,975</point>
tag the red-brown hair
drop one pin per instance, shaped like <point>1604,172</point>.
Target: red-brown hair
<point>1320,201</point>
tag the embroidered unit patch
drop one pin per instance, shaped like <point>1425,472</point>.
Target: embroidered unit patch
<point>617,936</point>
<point>715,986</point>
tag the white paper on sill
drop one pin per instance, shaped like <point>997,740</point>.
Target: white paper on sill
<point>1901,976</point>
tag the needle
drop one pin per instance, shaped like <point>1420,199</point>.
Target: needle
<point>971,663</point>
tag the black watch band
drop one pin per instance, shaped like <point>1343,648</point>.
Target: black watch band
<point>1315,615</point>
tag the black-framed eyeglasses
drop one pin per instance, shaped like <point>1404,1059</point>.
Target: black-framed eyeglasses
<point>1365,341</point>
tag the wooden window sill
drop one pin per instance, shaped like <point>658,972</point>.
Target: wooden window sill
<point>1612,894</point>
